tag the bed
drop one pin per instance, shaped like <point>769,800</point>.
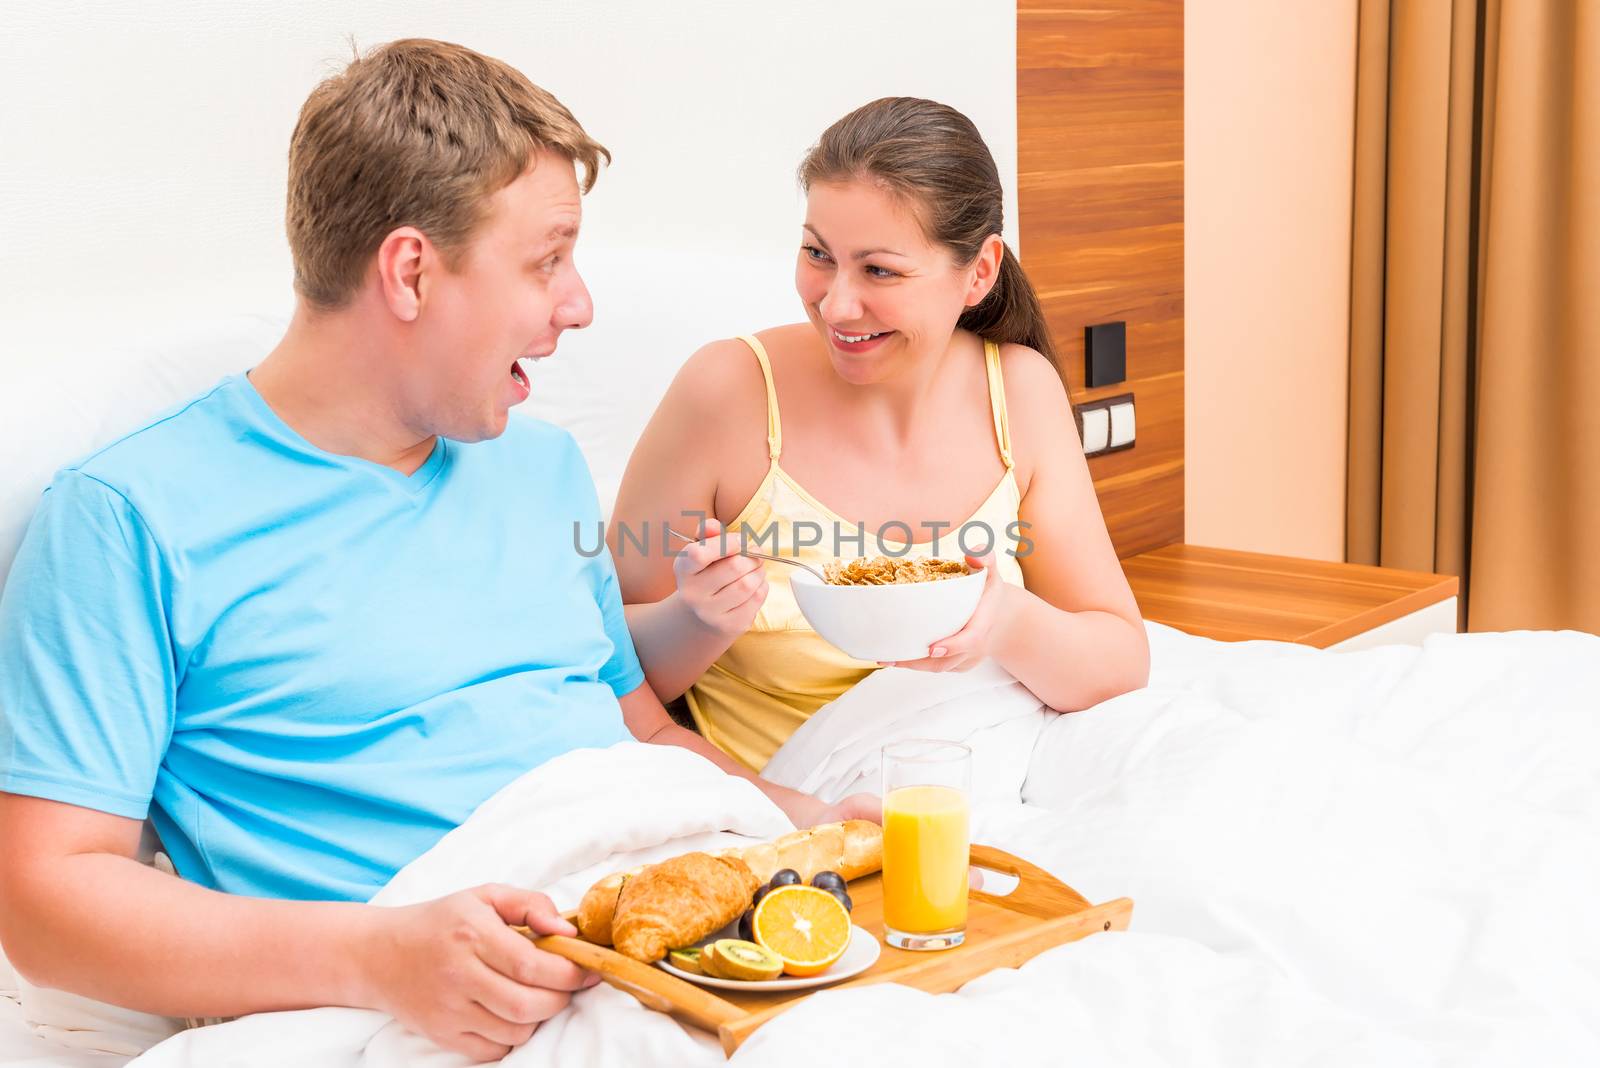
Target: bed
<point>1378,857</point>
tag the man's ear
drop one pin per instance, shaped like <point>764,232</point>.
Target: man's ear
<point>985,269</point>
<point>400,263</point>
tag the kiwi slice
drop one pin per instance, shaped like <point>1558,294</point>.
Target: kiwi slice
<point>708,961</point>
<point>738,959</point>
<point>686,960</point>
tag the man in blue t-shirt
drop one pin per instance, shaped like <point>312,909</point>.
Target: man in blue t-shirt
<point>309,620</point>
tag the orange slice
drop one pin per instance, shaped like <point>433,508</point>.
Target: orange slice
<point>807,928</point>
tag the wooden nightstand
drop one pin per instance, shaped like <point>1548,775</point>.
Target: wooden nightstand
<point>1235,596</point>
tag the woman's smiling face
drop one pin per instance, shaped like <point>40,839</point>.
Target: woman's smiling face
<point>881,295</point>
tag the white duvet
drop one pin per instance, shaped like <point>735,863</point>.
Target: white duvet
<point>1382,857</point>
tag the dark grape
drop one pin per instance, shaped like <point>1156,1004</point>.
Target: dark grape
<point>747,929</point>
<point>761,892</point>
<point>784,877</point>
<point>828,880</point>
<point>843,896</point>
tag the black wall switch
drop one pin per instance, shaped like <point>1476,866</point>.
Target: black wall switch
<point>1105,352</point>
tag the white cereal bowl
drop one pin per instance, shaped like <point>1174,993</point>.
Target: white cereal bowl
<point>883,623</point>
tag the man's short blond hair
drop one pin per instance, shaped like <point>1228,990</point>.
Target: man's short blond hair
<point>414,133</point>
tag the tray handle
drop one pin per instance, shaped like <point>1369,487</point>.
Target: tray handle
<point>1038,893</point>
<point>654,988</point>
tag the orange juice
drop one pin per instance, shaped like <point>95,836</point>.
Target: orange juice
<point>925,858</point>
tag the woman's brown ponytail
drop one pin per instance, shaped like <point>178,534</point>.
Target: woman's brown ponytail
<point>1011,311</point>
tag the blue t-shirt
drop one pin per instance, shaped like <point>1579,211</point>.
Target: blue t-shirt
<point>305,667</point>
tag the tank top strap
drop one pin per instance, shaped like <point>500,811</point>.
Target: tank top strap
<point>774,425</point>
<point>997,400</point>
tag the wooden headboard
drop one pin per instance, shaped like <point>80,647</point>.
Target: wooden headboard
<point>1100,178</point>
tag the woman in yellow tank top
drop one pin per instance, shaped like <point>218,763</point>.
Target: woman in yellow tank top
<point>920,401</point>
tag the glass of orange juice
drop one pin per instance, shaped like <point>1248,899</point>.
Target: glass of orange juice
<point>925,848</point>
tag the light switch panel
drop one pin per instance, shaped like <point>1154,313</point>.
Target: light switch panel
<point>1105,424</point>
<point>1096,430</point>
<point>1121,424</point>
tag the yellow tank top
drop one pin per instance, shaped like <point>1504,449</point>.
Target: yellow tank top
<point>780,671</point>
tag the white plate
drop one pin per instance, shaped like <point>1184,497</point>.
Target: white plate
<point>859,955</point>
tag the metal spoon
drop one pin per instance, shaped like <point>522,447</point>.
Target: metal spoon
<point>760,556</point>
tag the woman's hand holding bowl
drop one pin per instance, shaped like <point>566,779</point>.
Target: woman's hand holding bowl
<point>976,641</point>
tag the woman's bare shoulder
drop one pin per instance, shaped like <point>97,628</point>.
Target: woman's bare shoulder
<point>789,345</point>
<point>718,369</point>
<point>712,417</point>
<point>726,369</point>
<point>1037,406</point>
<point>719,396</point>
<point>719,382</point>
<point>1033,384</point>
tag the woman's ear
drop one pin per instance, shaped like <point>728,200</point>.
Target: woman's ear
<point>985,269</point>
<point>400,261</point>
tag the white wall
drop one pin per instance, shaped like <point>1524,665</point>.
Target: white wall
<point>144,143</point>
<point>1269,122</point>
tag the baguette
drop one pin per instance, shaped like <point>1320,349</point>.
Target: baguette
<point>853,849</point>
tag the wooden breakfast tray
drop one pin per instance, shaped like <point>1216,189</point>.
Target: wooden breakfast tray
<point>1002,932</point>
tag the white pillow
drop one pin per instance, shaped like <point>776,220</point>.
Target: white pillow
<point>82,1023</point>
<point>60,407</point>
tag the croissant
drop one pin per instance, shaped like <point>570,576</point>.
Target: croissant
<point>679,902</point>
<point>853,849</point>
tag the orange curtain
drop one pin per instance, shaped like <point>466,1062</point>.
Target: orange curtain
<point>1475,303</point>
